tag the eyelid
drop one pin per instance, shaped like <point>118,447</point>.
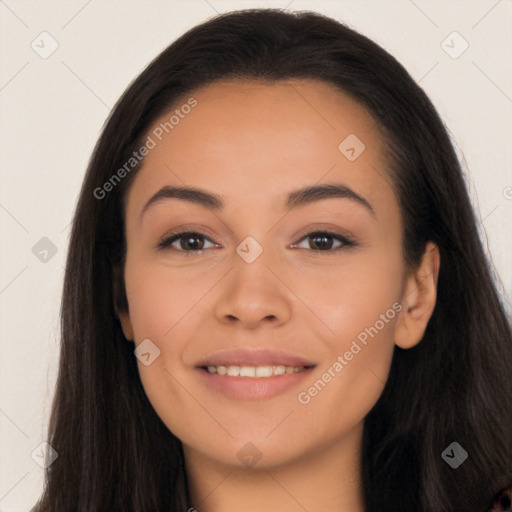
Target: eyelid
<point>168,239</point>
<point>183,229</point>
<point>346,239</point>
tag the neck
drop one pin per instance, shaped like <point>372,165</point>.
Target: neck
<point>328,479</point>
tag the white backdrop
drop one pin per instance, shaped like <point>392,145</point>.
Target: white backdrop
<point>64,65</point>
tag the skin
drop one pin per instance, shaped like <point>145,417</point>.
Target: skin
<point>253,143</point>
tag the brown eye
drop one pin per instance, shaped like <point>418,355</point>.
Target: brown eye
<point>325,240</point>
<point>187,241</point>
<point>321,242</point>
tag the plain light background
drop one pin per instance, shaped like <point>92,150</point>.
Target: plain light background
<point>53,110</point>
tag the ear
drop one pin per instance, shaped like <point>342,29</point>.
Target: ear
<point>120,303</point>
<point>418,299</point>
<point>126,325</point>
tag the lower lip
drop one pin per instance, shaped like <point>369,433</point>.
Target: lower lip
<point>253,388</point>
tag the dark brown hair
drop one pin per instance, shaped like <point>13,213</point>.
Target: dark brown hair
<point>114,452</point>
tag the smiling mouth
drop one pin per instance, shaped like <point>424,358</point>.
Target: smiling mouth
<point>254,371</point>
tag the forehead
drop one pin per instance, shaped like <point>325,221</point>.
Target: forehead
<point>247,138</point>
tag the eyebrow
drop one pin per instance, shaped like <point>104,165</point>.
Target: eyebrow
<point>295,199</point>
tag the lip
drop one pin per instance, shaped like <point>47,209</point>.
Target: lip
<point>253,388</point>
<point>254,357</point>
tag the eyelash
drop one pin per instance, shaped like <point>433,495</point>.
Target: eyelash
<point>166,242</point>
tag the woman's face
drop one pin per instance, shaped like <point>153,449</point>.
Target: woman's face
<point>262,287</point>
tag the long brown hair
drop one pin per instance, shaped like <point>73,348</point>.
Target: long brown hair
<point>114,452</point>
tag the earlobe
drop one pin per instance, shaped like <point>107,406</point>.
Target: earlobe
<point>126,325</point>
<point>418,299</point>
<point>120,303</point>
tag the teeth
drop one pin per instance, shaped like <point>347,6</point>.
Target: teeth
<point>254,371</point>
<point>279,370</point>
<point>233,371</point>
<point>263,371</point>
<point>247,371</point>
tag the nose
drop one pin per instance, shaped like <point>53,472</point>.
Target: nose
<point>252,295</point>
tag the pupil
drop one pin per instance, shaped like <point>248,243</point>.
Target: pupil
<point>325,241</point>
<point>191,244</point>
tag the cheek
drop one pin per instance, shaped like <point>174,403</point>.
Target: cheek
<point>158,300</point>
<point>165,309</point>
<point>359,308</point>
<point>161,310</point>
<point>350,381</point>
<point>347,298</point>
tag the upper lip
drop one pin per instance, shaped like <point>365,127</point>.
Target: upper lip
<point>255,357</point>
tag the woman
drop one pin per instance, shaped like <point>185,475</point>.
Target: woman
<point>275,294</point>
